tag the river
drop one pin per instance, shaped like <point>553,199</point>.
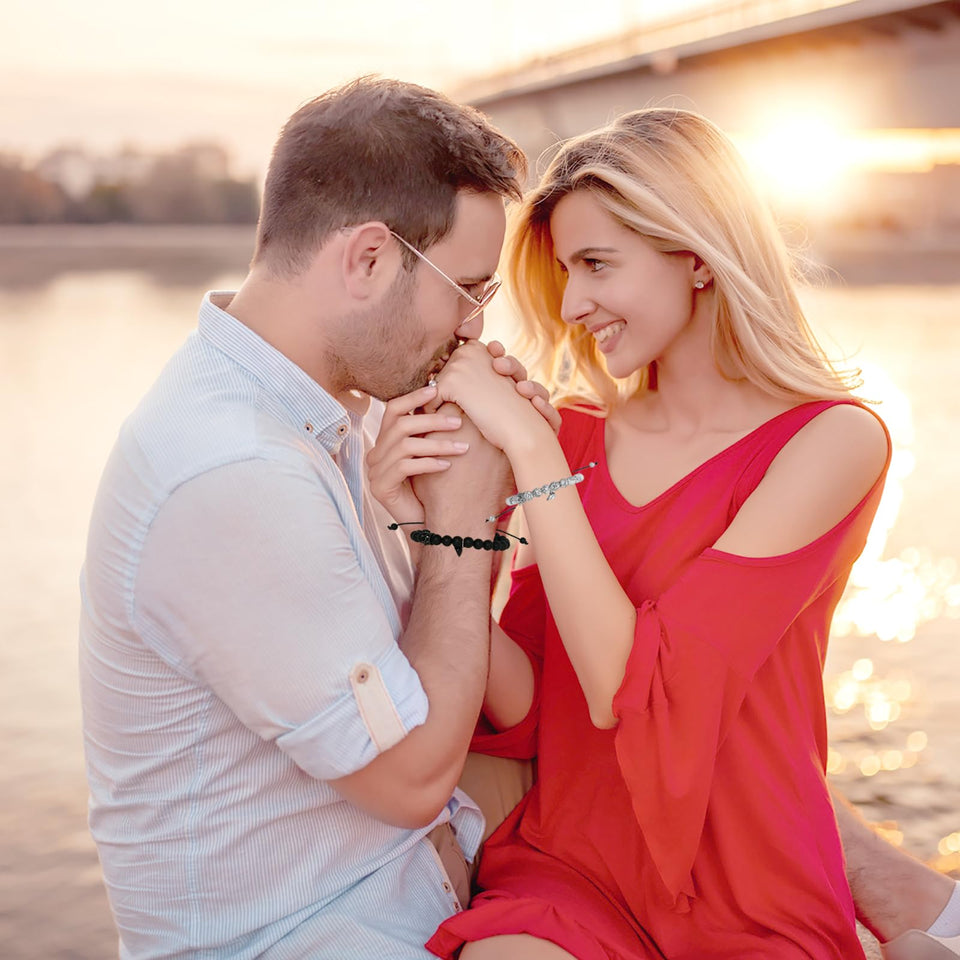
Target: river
<point>88,317</point>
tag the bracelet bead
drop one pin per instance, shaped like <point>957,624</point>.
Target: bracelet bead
<point>550,489</point>
<point>499,541</point>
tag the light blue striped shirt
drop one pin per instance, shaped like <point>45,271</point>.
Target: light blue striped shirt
<point>241,605</point>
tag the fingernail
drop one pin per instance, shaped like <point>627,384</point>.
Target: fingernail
<point>453,421</point>
<point>460,446</point>
<point>442,462</point>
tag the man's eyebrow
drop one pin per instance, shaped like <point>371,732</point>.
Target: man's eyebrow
<point>470,282</point>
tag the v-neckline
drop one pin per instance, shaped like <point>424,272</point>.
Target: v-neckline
<point>604,467</point>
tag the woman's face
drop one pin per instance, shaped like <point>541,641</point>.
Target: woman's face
<point>636,301</point>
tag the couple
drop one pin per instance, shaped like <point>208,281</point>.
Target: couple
<point>277,710</point>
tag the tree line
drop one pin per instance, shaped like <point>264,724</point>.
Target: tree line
<point>191,184</point>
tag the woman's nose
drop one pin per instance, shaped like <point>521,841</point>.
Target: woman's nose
<point>575,307</point>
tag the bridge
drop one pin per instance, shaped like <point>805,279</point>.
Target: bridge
<point>885,72</point>
<point>892,63</point>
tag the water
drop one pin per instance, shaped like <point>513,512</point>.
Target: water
<point>87,320</point>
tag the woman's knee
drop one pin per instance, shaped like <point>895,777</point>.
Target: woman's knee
<point>519,946</point>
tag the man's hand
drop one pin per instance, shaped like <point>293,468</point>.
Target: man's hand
<point>471,489</point>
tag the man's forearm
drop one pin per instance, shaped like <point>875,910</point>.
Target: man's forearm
<point>447,642</point>
<point>447,639</point>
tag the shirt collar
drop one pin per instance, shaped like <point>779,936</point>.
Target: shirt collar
<point>311,408</point>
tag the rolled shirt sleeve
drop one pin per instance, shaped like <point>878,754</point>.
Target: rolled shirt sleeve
<point>249,583</point>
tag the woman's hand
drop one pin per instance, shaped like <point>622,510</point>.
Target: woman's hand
<point>402,452</point>
<point>509,366</point>
<point>493,401</point>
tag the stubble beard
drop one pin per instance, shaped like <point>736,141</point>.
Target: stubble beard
<point>381,349</point>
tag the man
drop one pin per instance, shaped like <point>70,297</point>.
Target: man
<point>273,736</point>
<point>275,718</point>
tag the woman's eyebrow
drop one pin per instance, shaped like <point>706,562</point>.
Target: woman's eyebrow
<point>583,252</point>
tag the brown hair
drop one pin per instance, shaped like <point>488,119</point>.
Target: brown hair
<point>378,149</point>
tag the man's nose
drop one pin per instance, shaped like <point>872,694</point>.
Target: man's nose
<point>472,329</point>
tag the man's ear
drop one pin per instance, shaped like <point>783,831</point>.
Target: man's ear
<point>370,260</point>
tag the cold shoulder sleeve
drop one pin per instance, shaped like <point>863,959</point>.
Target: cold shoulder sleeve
<point>697,649</point>
<point>523,620</point>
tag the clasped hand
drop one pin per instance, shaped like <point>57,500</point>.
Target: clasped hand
<point>492,389</point>
<point>419,437</point>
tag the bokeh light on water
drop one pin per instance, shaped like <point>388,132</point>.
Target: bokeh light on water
<point>887,600</point>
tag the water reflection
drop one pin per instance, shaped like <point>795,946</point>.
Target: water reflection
<point>891,599</point>
<point>77,350</point>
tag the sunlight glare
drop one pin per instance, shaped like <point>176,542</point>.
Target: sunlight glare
<point>802,155</point>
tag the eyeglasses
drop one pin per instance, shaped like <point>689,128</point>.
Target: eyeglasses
<point>478,303</point>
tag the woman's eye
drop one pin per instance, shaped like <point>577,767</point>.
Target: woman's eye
<point>594,266</point>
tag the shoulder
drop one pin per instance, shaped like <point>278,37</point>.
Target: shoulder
<point>846,443</point>
<point>580,427</point>
<point>820,477</point>
<point>585,409</point>
<point>579,419</point>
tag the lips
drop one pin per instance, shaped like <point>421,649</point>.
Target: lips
<point>604,333</point>
<point>440,362</point>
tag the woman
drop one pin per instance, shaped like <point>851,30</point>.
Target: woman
<point>662,647</point>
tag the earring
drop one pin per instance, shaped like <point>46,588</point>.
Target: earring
<point>699,284</point>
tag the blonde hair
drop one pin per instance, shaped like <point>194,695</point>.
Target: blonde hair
<point>678,181</point>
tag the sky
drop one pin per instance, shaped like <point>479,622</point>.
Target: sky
<point>157,75</point>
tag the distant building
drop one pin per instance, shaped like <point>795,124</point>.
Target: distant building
<point>78,171</point>
<point>70,167</point>
<point>208,161</point>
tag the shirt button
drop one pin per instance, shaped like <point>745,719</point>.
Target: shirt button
<point>308,427</point>
<point>362,676</point>
<point>447,887</point>
<point>342,429</point>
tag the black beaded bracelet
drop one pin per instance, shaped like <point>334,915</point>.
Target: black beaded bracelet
<point>426,537</point>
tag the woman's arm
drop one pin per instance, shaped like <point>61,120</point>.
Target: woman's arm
<point>594,615</point>
<point>510,684</point>
<point>815,481</point>
<point>819,476</point>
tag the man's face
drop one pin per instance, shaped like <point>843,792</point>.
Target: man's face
<point>401,341</point>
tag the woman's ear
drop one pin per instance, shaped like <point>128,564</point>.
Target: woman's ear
<point>702,274</point>
<point>370,260</point>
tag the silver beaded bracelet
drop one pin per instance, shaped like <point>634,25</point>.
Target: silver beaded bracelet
<point>550,489</point>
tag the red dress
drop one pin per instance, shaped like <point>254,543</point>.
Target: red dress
<point>701,825</point>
